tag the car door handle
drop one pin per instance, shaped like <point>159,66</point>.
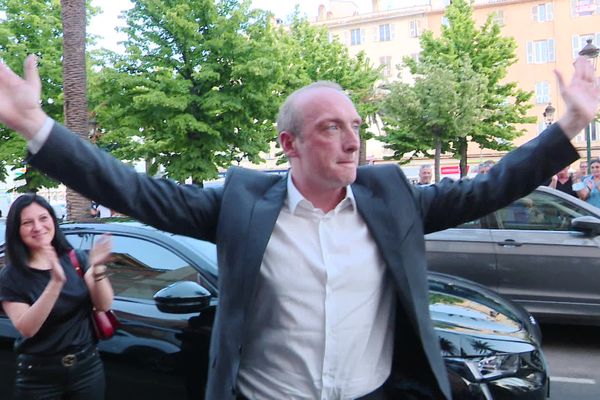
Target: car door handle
<point>510,243</point>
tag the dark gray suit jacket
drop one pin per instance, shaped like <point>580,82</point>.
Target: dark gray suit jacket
<point>239,217</point>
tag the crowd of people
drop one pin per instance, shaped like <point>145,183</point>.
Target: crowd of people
<point>322,272</point>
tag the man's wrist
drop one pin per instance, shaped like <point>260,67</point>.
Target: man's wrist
<point>33,124</point>
<point>37,141</point>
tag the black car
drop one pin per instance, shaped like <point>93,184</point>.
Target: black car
<point>166,294</point>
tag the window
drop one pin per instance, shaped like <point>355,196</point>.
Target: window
<point>543,12</point>
<point>582,8</point>
<point>540,52</point>
<point>498,17</point>
<point>356,37</point>
<point>386,62</point>
<point>539,211</point>
<point>542,92</point>
<point>385,33</point>
<point>414,28</point>
<point>579,41</point>
<point>140,268</point>
<point>445,21</point>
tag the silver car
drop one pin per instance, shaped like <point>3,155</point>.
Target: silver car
<point>542,251</point>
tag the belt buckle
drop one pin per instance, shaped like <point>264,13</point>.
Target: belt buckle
<point>69,360</point>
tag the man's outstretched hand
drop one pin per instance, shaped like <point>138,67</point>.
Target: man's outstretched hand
<point>20,107</point>
<point>581,97</point>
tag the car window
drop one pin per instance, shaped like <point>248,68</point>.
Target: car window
<point>139,268</point>
<point>539,211</point>
<point>475,224</point>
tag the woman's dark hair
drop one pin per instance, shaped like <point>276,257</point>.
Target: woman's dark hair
<point>16,251</point>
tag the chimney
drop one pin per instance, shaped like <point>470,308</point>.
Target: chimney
<point>375,6</point>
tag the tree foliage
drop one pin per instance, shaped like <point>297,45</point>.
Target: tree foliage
<point>434,112</point>
<point>201,82</point>
<point>196,89</point>
<point>31,27</point>
<point>483,53</point>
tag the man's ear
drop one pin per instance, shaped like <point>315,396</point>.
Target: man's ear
<point>288,143</point>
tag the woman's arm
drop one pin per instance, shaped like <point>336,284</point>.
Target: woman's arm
<point>28,319</point>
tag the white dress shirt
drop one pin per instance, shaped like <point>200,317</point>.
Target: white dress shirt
<point>321,325</point>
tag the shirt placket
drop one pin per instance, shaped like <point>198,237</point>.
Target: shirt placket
<point>330,349</point>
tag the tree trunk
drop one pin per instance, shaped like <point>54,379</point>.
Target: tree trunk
<point>362,154</point>
<point>438,155</point>
<point>463,145</point>
<point>75,89</point>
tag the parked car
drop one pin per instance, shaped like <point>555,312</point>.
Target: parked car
<point>166,294</point>
<point>542,251</point>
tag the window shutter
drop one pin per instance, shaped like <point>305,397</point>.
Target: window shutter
<point>362,36</point>
<point>551,51</point>
<point>575,42</point>
<point>529,53</point>
<point>392,31</point>
<point>549,12</point>
<point>534,13</point>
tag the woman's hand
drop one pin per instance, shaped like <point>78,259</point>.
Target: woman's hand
<point>100,253</point>
<point>57,273</point>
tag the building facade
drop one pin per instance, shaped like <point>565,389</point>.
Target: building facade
<point>549,34</point>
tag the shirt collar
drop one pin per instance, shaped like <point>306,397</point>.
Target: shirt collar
<point>294,197</point>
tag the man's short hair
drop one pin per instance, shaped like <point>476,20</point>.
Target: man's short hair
<point>290,117</point>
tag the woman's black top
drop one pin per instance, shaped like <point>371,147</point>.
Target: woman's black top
<point>68,327</point>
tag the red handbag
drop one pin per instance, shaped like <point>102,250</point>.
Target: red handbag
<point>105,322</point>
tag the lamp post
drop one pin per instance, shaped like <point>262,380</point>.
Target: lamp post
<point>590,52</point>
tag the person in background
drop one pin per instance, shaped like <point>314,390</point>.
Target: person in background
<point>425,175</point>
<point>50,305</point>
<point>484,167</point>
<point>563,181</point>
<point>588,188</point>
<point>322,273</point>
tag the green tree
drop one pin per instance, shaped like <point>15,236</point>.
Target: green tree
<point>489,55</point>
<point>32,27</point>
<point>435,112</point>
<point>196,89</point>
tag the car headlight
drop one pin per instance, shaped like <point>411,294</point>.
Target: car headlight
<point>487,368</point>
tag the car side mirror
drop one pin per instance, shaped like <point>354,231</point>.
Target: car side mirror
<point>586,224</point>
<point>182,297</point>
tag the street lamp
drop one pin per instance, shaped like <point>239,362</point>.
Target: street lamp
<point>549,114</point>
<point>590,52</point>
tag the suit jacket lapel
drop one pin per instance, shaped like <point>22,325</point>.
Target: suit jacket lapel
<point>385,232</point>
<point>261,225</point>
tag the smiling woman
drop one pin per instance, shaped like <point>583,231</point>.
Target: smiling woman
<point>50,306</point>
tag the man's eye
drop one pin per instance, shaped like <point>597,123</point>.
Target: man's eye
<point>332,127</point>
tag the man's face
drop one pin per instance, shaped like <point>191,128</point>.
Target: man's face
<point>583,167</point>
<point>425,175</point>
<point>595,169</point>
<point>324,155</point>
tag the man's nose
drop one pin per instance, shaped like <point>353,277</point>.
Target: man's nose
<point>351,140</point>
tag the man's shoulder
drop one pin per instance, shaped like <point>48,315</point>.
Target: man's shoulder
<point>252,180</point>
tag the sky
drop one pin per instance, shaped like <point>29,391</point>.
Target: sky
<point>104,24</point>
